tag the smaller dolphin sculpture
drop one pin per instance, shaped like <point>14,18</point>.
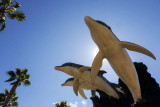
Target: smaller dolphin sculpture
<point>83,85</point>
<point>83,73</point>
<point>111,48</point>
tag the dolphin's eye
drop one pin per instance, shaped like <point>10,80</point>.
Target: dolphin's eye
<point>102,23</point>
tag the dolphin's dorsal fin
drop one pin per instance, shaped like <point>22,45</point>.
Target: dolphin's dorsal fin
<point>102,72</point>
<point>85,68</point>
<point>137,48</point>
<point>82,93</point>
<point>76,86</point>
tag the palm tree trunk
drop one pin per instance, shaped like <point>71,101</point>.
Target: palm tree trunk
<point>9,96</point>
<point>93,92</point>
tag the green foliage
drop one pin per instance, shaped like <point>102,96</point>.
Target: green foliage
<point>62,104</point>
<point>16,77</point>
<point>18,71</point>
<point>11,73</point>
<point>3,25</point>
<point>12,76</point>
<point>13,101</point>
<point>6,91</point>
<point>2,98</point>
<point>27,82</point>
<point>17,15</point>
<point>19,75</point>
<point>10,79</point>
<point>9,8</point>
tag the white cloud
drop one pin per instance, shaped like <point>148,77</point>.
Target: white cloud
<point>54,103</point>
<point>84,102</point>
<point>75,104</point>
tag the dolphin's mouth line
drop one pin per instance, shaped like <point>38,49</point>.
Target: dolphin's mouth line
<point>62,84</point>
<point>57,68</point>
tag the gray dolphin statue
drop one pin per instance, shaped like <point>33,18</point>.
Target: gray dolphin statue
<point>80,72</point>
<point>111,48</point>
<point>83,85</point>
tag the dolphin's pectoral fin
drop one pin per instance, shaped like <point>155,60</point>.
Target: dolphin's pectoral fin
<point>96,65</point>
<point>137,48</point>
<point>76,86</point>
<point>85,68</point>
<point>82,93</point>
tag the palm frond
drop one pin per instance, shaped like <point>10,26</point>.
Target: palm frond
<point>16,5</point>
<point>6,91</point>
<point>14,98</point>
<point>27,82</point>
<point>24,72</point>
<point>20,16</point>
<point>11,73</point>
<point>15,104</point>
<point>3,26</point>
<point>27,76</point>
<point>18,71</point>
<point>10,10</point>
<point>13,83</point>
<point>11,79</point>
<point>11,15</point>
<point>2,21</point>
<point>6,1</point>
<point>2,97</point>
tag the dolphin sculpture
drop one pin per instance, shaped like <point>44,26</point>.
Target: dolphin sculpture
<point>83,85</point>
<point>111,48</point>
<point>83,73</point>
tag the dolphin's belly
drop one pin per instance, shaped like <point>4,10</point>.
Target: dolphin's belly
<point>105,87</point>
<point>99,84</point>
<point>86,85</point>
<point>124,68</point>
<point>110,49</point>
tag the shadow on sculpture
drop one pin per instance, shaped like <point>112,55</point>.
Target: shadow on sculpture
<point>149,88</point>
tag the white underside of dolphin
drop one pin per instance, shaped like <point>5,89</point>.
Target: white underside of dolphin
<point>85,75</point>
<point>114,51</point>
<point>83,85</point>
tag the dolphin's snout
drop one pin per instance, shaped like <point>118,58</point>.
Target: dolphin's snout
<point>57,67</point>
<point>90,22</point>
<point>86,18</point>
<point>63,84</point>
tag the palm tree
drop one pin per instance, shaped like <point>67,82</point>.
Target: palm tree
<point>13,101</point>
<point>16,78</point>
<point>62,104</point>
<point>8,8</point>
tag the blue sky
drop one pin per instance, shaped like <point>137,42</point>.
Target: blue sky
<point>55,32</point>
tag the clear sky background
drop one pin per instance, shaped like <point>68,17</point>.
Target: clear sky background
<point>55,33</point>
